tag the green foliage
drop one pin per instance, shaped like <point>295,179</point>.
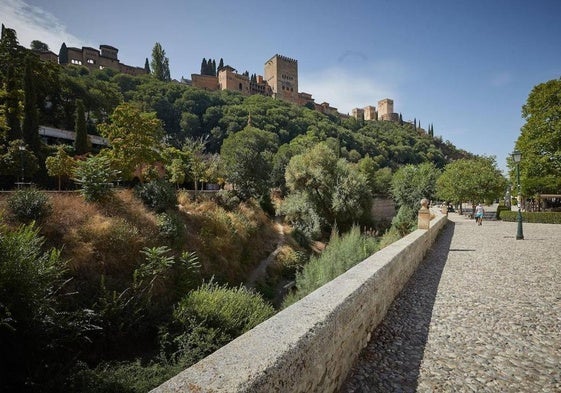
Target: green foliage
<point>60,165</point>
<point>95,176</point>
<point>35,329</point>
<point>533,217</point>
<point>227,199</point>
<point>170,226</point>
<point>325,191</point>
<point>135,138</point>
<point>29,205</point>
<point>342,253</point>
<point>247,157</point>
<point>412,183</point>
<point>405,220</point>
<point>160,63</point>
<point>16,159</point>
<point>232,311</point>
<point>158,195</point>
<point>82,145</point>
<point>540,140</point>
<point>476,180</point>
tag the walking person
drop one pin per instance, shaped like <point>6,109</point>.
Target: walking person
<point>479,211</point>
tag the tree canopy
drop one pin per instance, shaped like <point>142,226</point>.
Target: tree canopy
<point>540,140</point>
<point>471,180</point>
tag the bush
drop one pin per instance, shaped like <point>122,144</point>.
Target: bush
<point>95,176</point>
<point>170,226</point>
<point>158,195</point>
<point>342,253</point>
<point>533,217</point>
<point>230,310</point>
<point>29,205</point>
<point>39,338</point>
<point>405,220</point>
<point>227,199</point>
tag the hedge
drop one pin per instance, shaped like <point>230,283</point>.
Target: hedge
<point>534,217</point>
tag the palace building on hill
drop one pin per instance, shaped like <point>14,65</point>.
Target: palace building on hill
<point>93,59</point>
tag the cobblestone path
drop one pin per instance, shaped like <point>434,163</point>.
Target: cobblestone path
<point>481,314</point>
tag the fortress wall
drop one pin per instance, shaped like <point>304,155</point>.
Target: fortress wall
<point>311,345</point>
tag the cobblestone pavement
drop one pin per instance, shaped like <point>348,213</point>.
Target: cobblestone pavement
<point>481,314</point>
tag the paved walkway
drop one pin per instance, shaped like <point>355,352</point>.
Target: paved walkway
<point>481,314</point>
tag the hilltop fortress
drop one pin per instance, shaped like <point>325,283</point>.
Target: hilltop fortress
<point>281,81</point>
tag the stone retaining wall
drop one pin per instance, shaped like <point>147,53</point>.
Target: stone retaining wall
<point>311,345</point>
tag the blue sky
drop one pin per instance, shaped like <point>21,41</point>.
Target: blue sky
<point>466,67</point>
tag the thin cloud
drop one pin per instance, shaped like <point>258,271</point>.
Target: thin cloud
<point>34,23</point>
<point>345,89</point>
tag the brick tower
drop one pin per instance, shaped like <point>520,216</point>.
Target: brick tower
<point>281,74</point>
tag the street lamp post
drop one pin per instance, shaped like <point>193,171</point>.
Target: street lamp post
<point>516,157</point>
<point>22,149</point>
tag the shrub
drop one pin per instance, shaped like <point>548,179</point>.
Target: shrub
<point>342,253</point>
<point>95,176</point>
<point>533,217</point>
<point>404,220</point>
<point>170,226</point>
<point>227,199</point>
<point>158,195</point>
<point>35,330</point>
<point>29,205</point>
<point>230,310</point>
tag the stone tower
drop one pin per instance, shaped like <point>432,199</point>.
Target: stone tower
<point>385,108</point>
<point>281,74</point>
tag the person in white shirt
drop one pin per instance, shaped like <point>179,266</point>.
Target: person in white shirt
<point>479,214</point>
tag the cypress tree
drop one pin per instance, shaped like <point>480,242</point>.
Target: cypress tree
<point>160,63</point>
<point>213,67</point>
<point>63,54</point>
<point>30,127</point>
<point>220,64</point>
<point>12,106</point>
<point>147,66</point>
<point>203,67</point>
<point>81,143</point>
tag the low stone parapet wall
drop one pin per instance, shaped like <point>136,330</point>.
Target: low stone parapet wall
<point>311,345</point>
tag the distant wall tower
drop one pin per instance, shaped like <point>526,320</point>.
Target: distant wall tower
<point>385,108</point>
<point>281,74</point>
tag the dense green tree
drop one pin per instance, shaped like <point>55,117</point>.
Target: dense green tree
<point>18,160</point>
<point>160,63</point>
<point>63,54</point>
<point>325,192</point>
<point>13,105</point>
<point>471,180</point>
<point>30,126</point>
<point>82,144</point>
<point>39,46</point>
<point>147,66</point>
<point>411,183</point>
<point>540,140</point>
<point>248,160</point>
<point>135,138</point>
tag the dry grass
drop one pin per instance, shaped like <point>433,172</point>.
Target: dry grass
<point>107,238</point>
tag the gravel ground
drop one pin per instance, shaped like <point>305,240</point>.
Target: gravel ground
<point>481,314</point>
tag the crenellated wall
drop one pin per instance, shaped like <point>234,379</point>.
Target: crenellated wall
<point>311,345</point>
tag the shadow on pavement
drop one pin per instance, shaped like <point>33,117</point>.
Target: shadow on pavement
<point>392,359</point>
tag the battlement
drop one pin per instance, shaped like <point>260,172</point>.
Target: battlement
<point>284,58</point>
